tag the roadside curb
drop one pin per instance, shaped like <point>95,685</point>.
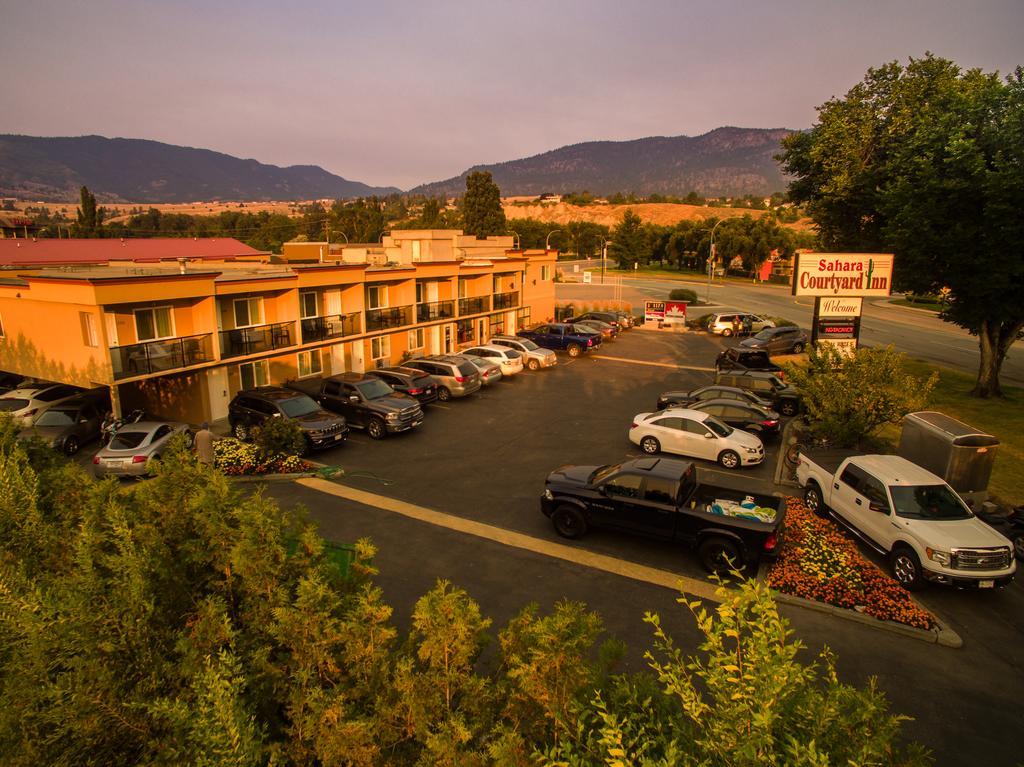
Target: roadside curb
<point>243,478</point>
<point>892,305</point>
<point>940,635</point>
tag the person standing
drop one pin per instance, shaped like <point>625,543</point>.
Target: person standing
<point>736,325</point>
<point>748,325</point>
<point>204,444</point>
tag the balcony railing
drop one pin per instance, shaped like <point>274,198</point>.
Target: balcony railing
<point>506,300</point>
<point>331,326</point>
<point>259,338</point>
<point>474,305</point>
<point>392,317</point>
<point>158,356</point>
<point>438,310</point>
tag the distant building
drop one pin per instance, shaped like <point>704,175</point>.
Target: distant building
<point>17,224</point>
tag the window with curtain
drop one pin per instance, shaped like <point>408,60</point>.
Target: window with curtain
<point>155,323</point>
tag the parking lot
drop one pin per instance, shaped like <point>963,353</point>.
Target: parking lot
<point>485,459</point>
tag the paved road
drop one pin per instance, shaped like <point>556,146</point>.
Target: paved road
<point>916,332</point>
<point>484,459</point>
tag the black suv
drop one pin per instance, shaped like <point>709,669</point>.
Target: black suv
<point>252,407</point>
<point>366,402</point>
<point>746,359</point>
<point>409,381</point>
<point>785,399</point>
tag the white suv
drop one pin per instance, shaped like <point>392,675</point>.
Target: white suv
<point>722,323</point>
<point>511,361</point>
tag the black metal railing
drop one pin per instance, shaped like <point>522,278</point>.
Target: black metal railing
<point>330,326</point>
<point>474,305</point>
<point>158,356</point>
<point>437,310</point>
<point>259,338</point>
<point>506,300</point>
<point>392,317</point>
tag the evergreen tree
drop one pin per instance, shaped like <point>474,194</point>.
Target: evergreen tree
<point>481,207</point>
<point>90,218</point>
<point>630,241</point>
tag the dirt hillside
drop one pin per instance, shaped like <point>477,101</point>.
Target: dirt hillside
<point>662,214</point>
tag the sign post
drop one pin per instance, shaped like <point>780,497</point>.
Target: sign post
<point>839,282</point>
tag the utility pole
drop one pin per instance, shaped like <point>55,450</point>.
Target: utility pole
<point>604,255</point>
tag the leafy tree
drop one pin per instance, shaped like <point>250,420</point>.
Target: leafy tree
<point>744,701</point>
<point>90,218</point>
<point>280,437</point>
<point>925,160</point>
<point>847,398</point>
<point>630,242</point>
<point>482,213</point>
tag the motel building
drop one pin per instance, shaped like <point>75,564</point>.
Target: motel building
<point>176,327</point>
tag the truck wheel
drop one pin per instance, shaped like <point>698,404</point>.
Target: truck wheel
<point>533,365</point>
<point>720,556</point>
<point>443,394</point>
<point>574,350</point>
<point>650,445</point>
<point>729,459</point>
<point>798,347</point>
<point>787,408</point>
<point>569,522</point>
<point>241,431</point>
<point>906,568</point>
<point>376,429</point>
<point>814,501</point>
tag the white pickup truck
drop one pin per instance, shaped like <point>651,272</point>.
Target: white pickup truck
<point>908,514</point>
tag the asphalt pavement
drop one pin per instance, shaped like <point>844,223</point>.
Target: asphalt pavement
<point>917,332</point>
<point>485,459</point>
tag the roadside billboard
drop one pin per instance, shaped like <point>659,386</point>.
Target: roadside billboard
<point>843,274</point>
<point>675,312</point>
<point>654,311</point>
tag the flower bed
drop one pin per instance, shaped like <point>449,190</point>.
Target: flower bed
<point>237,458</point>
<point>817,561</point>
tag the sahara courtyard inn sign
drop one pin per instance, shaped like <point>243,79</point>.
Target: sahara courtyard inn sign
<point>843,274</point>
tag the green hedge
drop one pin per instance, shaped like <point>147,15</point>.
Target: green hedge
<point>683,294</point>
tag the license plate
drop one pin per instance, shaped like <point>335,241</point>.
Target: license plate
<point>417,422</point>
<point>336,437</point>
<point>986,584</point>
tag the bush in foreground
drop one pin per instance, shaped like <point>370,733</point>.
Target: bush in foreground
<point>683,294</point>
<point>183,623</point>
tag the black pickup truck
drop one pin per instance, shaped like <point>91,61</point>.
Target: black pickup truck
<point>365,401</point>
<point>662,498</point>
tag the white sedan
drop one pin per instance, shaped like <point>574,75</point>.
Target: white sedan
<point>510,360</point>
<point>697,435</point>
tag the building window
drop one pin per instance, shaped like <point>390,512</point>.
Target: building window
<point>421,293</point>
<point>415,250</point>
<point>310,363</point>
<point>248,312</point>
<point>254,374</point>
<point>153,324</point>
<point>89,334</point>
<point>2,333</point>
<point>380,347</point>
<point>523,318</point>
<point>416,338</point>
<point>496,326</point>
<point>376,296</point>
<point>545,272</point>
<point>464,331</point>
<point>307,305</point>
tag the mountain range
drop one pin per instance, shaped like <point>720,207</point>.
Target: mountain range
<point>724,162</point>
<point>137,170</point>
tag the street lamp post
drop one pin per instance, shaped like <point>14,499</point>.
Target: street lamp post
<point>604,256</point>
<point>547,240</point>
<point>711,258</point>
<point>516,241</point>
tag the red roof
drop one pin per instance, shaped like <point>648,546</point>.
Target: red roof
<point>51,252</point>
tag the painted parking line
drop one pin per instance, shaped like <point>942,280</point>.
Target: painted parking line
<point>439,407</point>
<point>653,364</point>
<point>613,565</point>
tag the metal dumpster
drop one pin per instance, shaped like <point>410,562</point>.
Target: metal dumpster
<point>958,453</point>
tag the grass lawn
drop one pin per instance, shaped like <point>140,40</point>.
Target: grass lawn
<point>1003,418</point>
<point>701,277</point>
<point>926,305</point>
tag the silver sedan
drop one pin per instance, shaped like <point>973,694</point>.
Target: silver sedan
<point>136,444</point>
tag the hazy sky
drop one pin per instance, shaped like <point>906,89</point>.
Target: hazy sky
<point>403,93</point>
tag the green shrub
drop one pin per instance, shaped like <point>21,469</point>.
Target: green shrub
<point>240,458</point>
<point>683,294</point>
<point>279,437</point>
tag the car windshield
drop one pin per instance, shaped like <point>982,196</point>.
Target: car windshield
<point>57,418</point>
<point>530,346</point>
<point>718,427</point>
<point>928,502</point>
<point>128,440</point>
<point>602,473</point>
<point>374,389</point>
<point>765,335</point>
<point>12,404</point>
<point>296,407</point>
